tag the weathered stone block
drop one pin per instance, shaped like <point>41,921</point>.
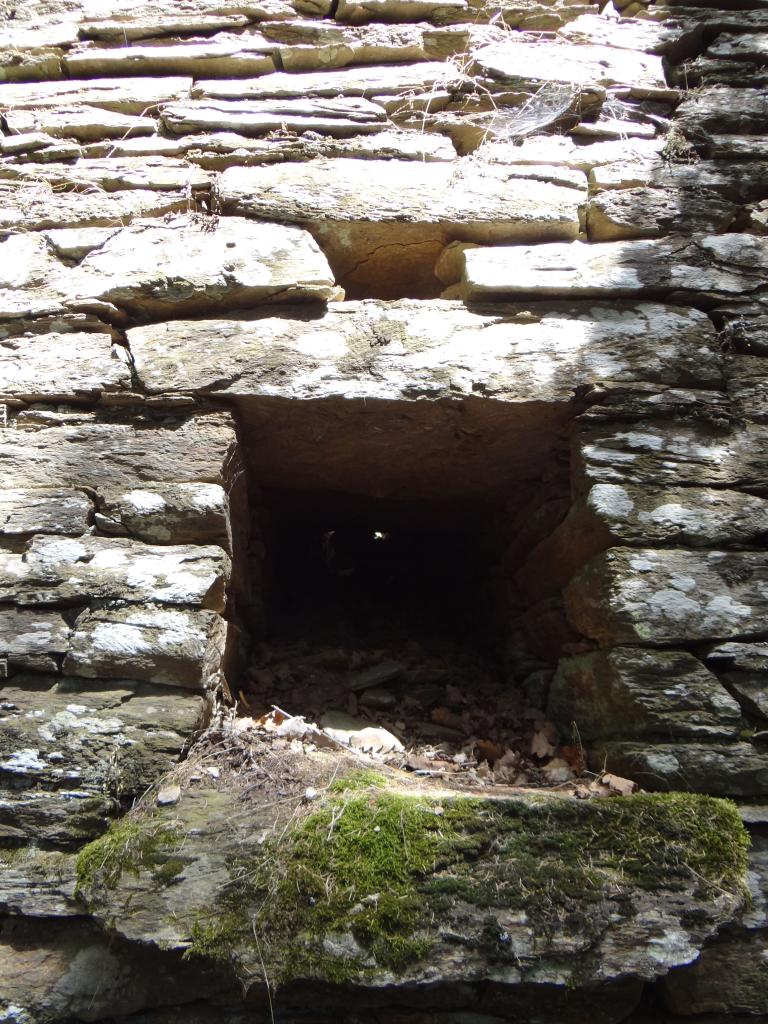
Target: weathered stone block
<point>672,454</point>
<point>30,638</point>
<point>166,513</point>
<point>728,978</point>
<point>224,56</point>
<point>628,692</point>
<point>73,735</point>
<point>98,452</point>
<point>613,514</point>
<point>404,350</point>
<point>731,264</point>
<point>58,569</point>
<point>382,224</point>
<point>157,645</point>
<point>516,59</point>
<point>655,212</point>
<point>61,366</point>
<point>659,597</point>
<point>126,96</point>
<point>338,117</point>
<point>723,110</point>
<point>736,769</point>
<point>44,509</point>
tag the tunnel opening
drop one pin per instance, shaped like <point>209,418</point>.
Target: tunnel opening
<point>394,598</point>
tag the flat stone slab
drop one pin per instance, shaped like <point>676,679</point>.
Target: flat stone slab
<point>122,95</point>
<point>588,64</point>
<point>66,734</point>
<point>629,692</point>
<point>98,453</point>
<point>167,646</point>
<point>409,350</point>
<point>154,267</point>
<point>337,117</point>
<point>383,223</point>
<point>65,970</point>
<point>27,206</point>
<point>159,173</point>
<point>613,514</point>
<point>671,454</point>
<point>655,931</point>
<point>223,56</point>
<point>31,639</point>
<point>658,597</point>
<point>60,569</point>
<point>166,513</point>
<point>729,265</point>
<point>734,769</point>
<point>55,366</point>
<point>723,110</point>
<point>392,79</point>
<point>44,510</point>
<point>483,203</point>
<point>655,212</point>
<point>731,181</point>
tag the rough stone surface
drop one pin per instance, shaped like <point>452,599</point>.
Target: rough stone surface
<point>731,264</point>
<point>61,569</point>
<point>383,258</point>
<point>382,223</point>
<point>662,597</point>
<point>157,645</point>
<point>630,692</point>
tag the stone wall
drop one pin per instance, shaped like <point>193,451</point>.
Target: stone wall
<point>401,249</point>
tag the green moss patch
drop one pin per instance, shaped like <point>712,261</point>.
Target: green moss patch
<point>358,884</point>
<point>129,845</point>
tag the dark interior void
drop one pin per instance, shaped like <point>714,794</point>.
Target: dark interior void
<point>352,571</point>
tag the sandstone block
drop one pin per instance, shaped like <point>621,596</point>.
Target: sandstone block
<point>628,692</point>
<point>659,597</point>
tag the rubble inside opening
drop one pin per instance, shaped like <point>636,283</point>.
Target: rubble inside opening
<point>396,628</point>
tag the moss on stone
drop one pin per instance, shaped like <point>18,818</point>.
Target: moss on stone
<point>128,845</point>
<point>356,884</point>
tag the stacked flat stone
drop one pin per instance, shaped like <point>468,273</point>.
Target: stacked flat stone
<point>492,215</point>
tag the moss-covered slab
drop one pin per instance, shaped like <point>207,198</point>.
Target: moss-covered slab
<point>377,883</point>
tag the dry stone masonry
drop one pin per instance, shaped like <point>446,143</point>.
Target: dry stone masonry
<point>492,271</point>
